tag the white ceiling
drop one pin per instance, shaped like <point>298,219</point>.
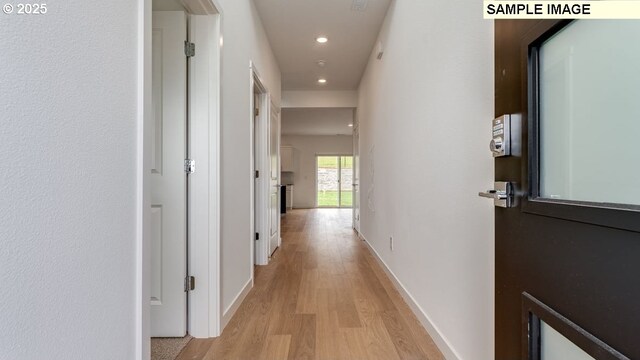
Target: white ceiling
<point>293,25</point>
<point>316,121</point>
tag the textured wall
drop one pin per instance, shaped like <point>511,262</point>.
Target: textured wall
<point>68,93</point>
<point>424,114</point>
<point>244,40</point>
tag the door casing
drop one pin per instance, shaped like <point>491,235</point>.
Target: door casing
<point>205,311</point>
<point>356,174</point>
<point>275,239</point>
<point>259,152</point>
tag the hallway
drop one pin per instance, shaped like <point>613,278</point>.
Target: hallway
<point>323,296</point>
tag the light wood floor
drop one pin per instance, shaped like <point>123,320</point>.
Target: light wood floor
<point>323,296</point>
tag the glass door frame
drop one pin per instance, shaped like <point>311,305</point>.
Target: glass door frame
<point>618,216</point>
<point>339,157</point>
<point>534,312</point>
<point>607,215</point>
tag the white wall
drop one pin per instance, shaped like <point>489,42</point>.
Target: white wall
<point>425,112</point>
<point>317,121</point>
<point>68,152</point>
<point>319,99</point>
<point>244,41</point>
<point>306,148</point>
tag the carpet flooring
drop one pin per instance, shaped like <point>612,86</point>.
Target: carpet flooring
<point>168,348</point>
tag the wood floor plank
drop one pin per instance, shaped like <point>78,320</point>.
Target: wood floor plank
<point>347,313</point>
<point>380,346</point>
<point>356,341</point>
<point>307,296</point>
<point>303,338</point>
<point>427,346</point>
<point>401,336</point>
<point>379,343</point>
<point>198,350</point>
<point>276,347</point>
<point>329,344</point>
<point>323,296</point>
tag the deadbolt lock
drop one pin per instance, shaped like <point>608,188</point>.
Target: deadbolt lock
<point>505,135</point>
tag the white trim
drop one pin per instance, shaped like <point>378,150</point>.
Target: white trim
<point>355,220</point>
<point>235,304</point>
<point>440,340</point>
<point>204,183</point>
<point>259,196</point>
<point>143,227</point>
<point>252,181</point>
<point>278,169</point>
<point>215,289</point>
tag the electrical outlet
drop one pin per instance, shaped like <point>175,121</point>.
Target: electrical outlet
<point>391,243</point>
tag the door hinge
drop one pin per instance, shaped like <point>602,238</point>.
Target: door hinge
<point>257,112</point>
<point>257,236</point>
<point>257,174</point>
<point>189,49</point>
<point>189,283</point>
<point>189,166</point>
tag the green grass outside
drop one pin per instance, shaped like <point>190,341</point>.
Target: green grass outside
<point>330,198</point>
<point>331,162</point>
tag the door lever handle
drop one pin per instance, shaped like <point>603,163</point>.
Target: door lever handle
<point>494,194</point>
<point>503,194</point>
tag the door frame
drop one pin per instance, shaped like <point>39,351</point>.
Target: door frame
<point>259,157</point>
<point>315,177</point>
<point>356,163</point>
<point>203,255</point>
<point>277,111</point>
<point>523,294</point>
<point>204,185</point>
<point>605,214</point>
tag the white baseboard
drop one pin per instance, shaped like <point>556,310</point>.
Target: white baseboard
<point>231,310</point>
<point>433,331</point>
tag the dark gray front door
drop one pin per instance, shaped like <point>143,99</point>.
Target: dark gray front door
<point>568,253</point>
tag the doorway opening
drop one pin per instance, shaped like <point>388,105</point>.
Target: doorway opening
<point>274,180</point>
<point>180,215</point>
<point>259,94</point>
<point>356,175</point>
<point>265,170</point>
<point>334,181</point>
<point>169,183</point>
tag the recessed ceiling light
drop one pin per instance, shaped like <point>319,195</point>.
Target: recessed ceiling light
<point>350,125</point>
<point>322,81</point>
<point>321,63</point>
<point>322,39</point>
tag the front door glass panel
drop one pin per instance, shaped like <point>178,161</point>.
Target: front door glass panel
<point>589,113</point>
<point>554,345</point>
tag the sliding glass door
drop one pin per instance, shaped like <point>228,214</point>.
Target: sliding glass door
<point>334,179</point>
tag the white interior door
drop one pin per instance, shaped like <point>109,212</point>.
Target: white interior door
<point>274,195</point>
<point>168,179</point>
